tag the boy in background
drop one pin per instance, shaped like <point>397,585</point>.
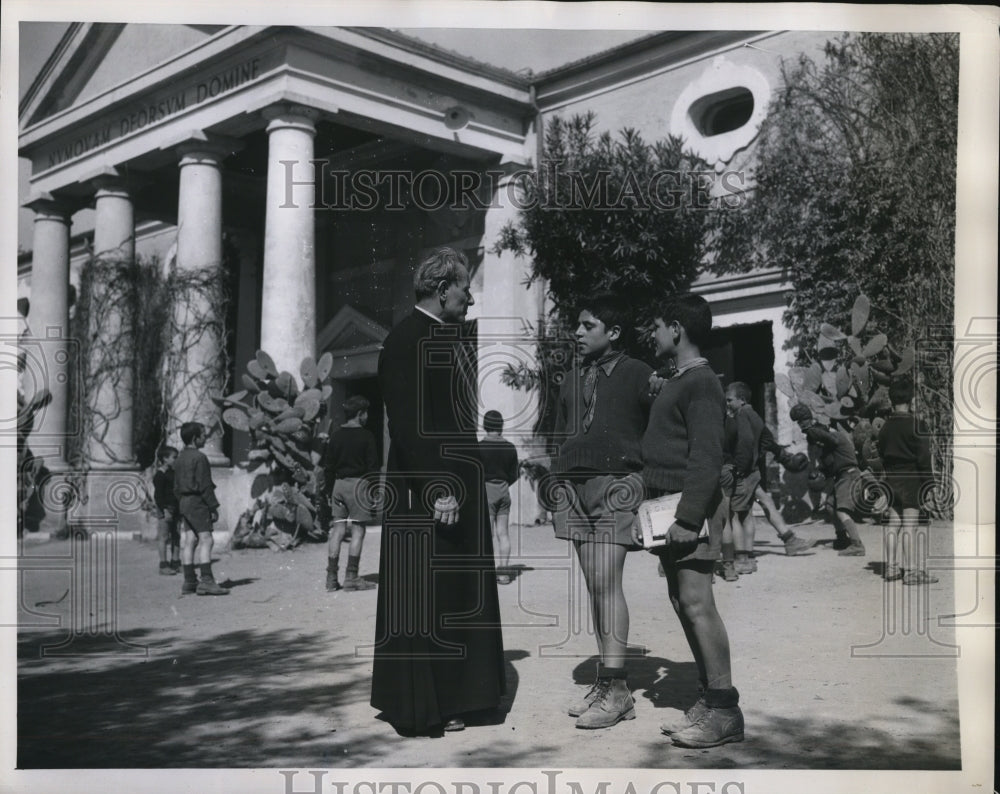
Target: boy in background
<point>199,510</point>
<point>167,536</point>
<point>500,470</point>
<point>837,460</point>
<point>351,456</point>
<point>906,456</point>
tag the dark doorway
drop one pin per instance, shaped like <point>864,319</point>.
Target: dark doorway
<point>746,353</point>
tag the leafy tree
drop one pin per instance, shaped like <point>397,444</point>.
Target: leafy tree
<point>855,194</point>
<point>605,213</point>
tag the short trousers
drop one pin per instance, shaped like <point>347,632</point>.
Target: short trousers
<point>195,515</point>
<point>905,489</point>
<point>166,525</point>
<point>498,498</point>
<point>599,508</point>
<point>743,491</point>
<point>705,549</point>
<point>348,501</point>
<point>848,493</point>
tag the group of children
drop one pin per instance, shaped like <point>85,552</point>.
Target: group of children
<point>186,509</point>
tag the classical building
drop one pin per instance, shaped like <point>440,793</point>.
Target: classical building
<point>315,165</point>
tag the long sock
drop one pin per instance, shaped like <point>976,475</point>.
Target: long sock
<point>722,698</point>
<point>206,572</point>
<point>333,564</point>
<point>189,573</point>
<point>352,566</point>
<point>787,536</point>
<point>728,552</point>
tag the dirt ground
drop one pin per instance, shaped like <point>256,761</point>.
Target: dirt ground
<point>836,669</point>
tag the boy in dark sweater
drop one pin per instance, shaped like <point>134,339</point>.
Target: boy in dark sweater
<point>906,456</point>
<point>167,536</point>
<point>601,415</point>
<point>351,457</point>
<point>682,453</point>
<point>199,510</point>
<point>837,459</point>
<point>499,458</point>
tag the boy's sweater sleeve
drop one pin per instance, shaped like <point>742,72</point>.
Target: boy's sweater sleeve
<point>203,477</point>
<point>703,417</point>
<point>512,473</point>
<point>746,451</point>
<point>821,436</point>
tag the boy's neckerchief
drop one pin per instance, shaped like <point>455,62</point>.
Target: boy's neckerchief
<point>608,362</point>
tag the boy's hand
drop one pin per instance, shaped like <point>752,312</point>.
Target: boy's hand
<point>681,535</point>
<point>637,533</point>
<point>213,516</point>
<point>655,384</point>
<point>446,510</point>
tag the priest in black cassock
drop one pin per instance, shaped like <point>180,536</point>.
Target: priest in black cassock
<point>438,646</point>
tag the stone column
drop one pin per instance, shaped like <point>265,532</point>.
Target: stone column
<point>508,324</point>
<point>110,442</point>
<point>288,300</point>
<point>50,347</point>
<point>197,348</point>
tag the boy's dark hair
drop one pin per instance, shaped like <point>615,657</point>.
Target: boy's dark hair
<point>800,412</point>
<point>165,452</point>
<point>692,312</point>
<point>190,431</point>
<point>901,392</point>
<point>610,309</point>
<point>355,405</point>
<point>493,422</point>
<point>740,389</point>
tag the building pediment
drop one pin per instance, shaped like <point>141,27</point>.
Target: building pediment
<point>354,341</point>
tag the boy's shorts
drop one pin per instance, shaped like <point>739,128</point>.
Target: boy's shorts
<point>345,503</point>
<point>599,508</point>
<point>905,488</point>
<point>166,525</point>
<point>743,491</point>
<point>848,492</point>
<point>195,515</point>
<point>498,498</point>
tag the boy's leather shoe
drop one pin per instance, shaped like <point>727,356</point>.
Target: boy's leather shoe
<point>580,705</point>
<point>796,545</point>
<point>189,587</point>
<point>691,716</point>
<point>211,587</point>
<point>854,550</point>
<point>612,705</point>
<point>331,581</point>
<point>357,583</point>
<point>712,728</point>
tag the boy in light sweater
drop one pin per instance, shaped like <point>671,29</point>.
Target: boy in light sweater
<point>682,453</point>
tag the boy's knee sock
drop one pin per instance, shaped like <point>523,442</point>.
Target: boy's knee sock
<point>728,552</point>
<point>333,564</point>
<point>189,573</point>
<point>613,672</point>
<point>206,571</point>
<point>353,562</point>
<point>722,698</point>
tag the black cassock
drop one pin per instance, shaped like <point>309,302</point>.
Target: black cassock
<point>438,646</point>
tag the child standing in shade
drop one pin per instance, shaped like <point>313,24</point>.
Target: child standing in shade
<point>906,456</point>
<point>601,415</point>
<point>682,452</point>
<point>746,473</point>
<point>500,471</point>
<point>351,456</point>
<point>198,509</point>
<point>167,536</point>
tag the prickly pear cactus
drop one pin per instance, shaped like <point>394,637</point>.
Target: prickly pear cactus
<point>285,419</point>
<point>850,373</point>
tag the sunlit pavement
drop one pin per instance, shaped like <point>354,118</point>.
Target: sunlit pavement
<point>836,669</point>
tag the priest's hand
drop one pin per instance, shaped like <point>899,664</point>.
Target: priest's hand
<point>446,510</point>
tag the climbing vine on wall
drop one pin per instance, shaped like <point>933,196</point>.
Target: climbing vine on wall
<point>135,322</point>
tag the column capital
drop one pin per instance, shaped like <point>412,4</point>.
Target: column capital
<point>197,147</point>
<point>288,115</point>
<point>48,207</point>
